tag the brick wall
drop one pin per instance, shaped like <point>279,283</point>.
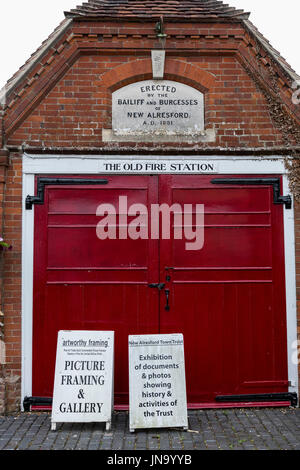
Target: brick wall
<point>65,101</point>
<point>11,300</point>
<point>75,111</point>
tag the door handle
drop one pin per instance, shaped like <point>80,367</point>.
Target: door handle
<point>167,292</point>
<point>160,286</point>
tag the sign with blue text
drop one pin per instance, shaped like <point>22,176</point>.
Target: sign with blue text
<point>83,386</point>
<point>157,386</point>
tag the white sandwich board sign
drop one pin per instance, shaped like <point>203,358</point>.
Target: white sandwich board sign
<point>83,385</point>
<point>157,385</point>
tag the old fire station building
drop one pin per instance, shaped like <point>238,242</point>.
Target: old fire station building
<point>172,103</point>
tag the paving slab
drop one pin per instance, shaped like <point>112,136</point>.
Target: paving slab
<point>228,429</point>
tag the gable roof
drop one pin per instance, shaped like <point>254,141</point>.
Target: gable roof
<point>176,10</point>
<point>135,10</point>
<point>271,50</point>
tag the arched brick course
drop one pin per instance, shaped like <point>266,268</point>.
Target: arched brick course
<point>177,70</point>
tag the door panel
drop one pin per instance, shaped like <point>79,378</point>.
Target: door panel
<point>228,299</point>
<point>81,282</point>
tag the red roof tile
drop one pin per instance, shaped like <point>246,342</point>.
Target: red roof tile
<point>176,10</point>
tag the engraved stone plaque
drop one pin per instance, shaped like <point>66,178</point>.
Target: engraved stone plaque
<point>158,107</point>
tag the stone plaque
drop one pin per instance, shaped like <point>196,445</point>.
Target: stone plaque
<point>83,386</point>
<point>158,64</point>
<point>157,387</point>
<point>157,107</point>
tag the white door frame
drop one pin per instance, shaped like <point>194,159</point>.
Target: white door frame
<point>90,164</point>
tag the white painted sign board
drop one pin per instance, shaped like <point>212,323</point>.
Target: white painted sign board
<point>83,385</point>
<point>157,385</point>
<point>157,166</point>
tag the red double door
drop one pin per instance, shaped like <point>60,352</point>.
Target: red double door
<point>228,298</point>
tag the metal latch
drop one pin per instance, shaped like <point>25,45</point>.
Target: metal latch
<point>160,286</point>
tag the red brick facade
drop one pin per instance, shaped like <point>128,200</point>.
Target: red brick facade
<point>64,101</point>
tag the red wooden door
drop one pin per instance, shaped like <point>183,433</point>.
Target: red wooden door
<point>228,299</point>
<point>83,283</point>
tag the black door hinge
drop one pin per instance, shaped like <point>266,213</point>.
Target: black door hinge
<point>36,401</point>
<point>45,181</point>
<point>275,182</point>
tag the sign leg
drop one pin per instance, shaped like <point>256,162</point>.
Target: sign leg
<point>53,426</point>
<point>108,426</point>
